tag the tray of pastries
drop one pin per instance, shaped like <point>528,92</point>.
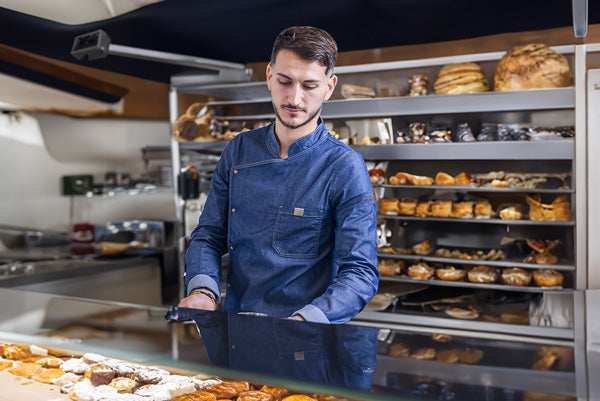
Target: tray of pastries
<point>469,304</point>
<point>478,208</point>
<point>422,261</point>
<point>95,377</point>
<point>493,180</point>
<point>478,275</point>
<point>528,250</point>
<point>444,348</point>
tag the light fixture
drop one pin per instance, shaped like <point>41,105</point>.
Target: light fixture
<point>96,45</point>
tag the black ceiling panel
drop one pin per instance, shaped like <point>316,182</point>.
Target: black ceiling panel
<point>243,31</point>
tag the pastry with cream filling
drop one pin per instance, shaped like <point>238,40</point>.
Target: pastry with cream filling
<point>547,278</point>
<point>421,271</point>
<point>516,276</point>
<point>483,274</point>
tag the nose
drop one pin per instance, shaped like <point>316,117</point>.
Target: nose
<point>295,95</point>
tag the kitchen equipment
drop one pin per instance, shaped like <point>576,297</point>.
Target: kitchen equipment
<point>151,233</point>
<point>83,233</point>
<point>77,184</point>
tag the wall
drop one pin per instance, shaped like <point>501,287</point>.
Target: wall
<point>38,149</point>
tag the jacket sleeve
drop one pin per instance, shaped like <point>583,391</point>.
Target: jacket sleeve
<point>209,239</point>
<point>355,252</point>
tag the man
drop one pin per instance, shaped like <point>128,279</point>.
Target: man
<point>292,205</point>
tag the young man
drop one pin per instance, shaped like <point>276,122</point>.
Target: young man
<point>292,205</point>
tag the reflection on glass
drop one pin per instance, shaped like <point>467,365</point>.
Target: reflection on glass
<point>330,354</point>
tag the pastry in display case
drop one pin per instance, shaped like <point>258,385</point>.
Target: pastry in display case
<point>252,357</point>
<point>493,179</point>
<point>350,91</point>
<point>460,78</point>
<point>95,377</point>
<point>459,367</point>
<point>532,66</point>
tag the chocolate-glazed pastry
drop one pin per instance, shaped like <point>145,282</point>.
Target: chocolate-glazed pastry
<point>487,133</point>
<point>464,133</point>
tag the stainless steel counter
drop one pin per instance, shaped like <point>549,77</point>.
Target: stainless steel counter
<point>136,279</point>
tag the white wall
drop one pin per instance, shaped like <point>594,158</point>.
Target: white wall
<point>37,150</point>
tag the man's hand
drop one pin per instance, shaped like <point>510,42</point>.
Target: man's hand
<point>198,300</point>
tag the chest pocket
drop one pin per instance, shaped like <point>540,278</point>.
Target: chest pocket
<point>296,232</point>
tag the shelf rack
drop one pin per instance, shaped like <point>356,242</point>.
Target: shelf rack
<point>457,261</point>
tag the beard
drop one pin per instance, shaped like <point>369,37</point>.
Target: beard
<point>291,125</point>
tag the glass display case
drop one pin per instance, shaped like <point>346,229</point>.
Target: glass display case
<point>376,361</point>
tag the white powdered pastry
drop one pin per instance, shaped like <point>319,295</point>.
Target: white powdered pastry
<point>204,384</point>
<point>50,360</point>
<point>178,385</point>
<point>154,392</point>
<point>121,368</point>
<point>75,365</point>
<point>144,374</point>
<point>150,375</point>
<point>93,359</point>
<point>35,350</point>
<point>65,388</point>
<point>66,379</point>
<point>85,391</point>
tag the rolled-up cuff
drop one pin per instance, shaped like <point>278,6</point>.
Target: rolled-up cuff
<point>203,280</point>
<point>311,313</point>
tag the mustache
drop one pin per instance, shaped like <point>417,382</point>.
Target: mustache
<point>289,106</point>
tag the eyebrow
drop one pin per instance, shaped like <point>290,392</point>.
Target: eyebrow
<point>308,80</point>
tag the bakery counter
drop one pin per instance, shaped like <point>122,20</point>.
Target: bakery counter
<point>355,361</point>
<point>133,279</point>
<point>393,360</point>
<point>135,343</point>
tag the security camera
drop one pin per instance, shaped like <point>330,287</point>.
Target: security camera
<point>93,45</point>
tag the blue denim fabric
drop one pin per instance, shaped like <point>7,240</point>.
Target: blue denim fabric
<point>300,232</point>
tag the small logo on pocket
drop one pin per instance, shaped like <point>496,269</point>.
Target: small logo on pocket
<point>298,211</point>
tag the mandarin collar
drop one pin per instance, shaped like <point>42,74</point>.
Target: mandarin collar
<point>300,144</point>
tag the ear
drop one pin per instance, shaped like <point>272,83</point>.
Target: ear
<point>331,86</point>
<point>269,75</point>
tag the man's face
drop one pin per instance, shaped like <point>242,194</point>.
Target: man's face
<point>298,89</point>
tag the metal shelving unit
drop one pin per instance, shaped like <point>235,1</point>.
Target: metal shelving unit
<point>456,261</point>
<point>479,189</point>
<point>481,375</point>
<point>538,99</point>
<point>251,101</point>
<point>479,221</point>
<point>466,284</point>
<point>517,150</point>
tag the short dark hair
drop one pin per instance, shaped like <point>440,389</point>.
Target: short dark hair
<point>308,43</point>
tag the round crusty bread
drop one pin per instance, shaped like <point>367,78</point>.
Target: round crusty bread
<point>471,87</point>
<point>532,66</point>
<point>460,78</point>
<point>458,68</point>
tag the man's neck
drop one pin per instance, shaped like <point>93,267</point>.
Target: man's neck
<point>286,136</point>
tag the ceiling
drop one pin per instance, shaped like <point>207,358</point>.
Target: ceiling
<point>239,31</point>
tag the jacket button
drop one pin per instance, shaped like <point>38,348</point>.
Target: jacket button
<point>231,248</point>
<point>233,210</point>
<point>235,171</point>
<point>228,285</point>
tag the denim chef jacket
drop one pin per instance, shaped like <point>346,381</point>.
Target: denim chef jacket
<point>300,232</point>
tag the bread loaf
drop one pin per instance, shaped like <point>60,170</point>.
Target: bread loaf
<point>531,66</point>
